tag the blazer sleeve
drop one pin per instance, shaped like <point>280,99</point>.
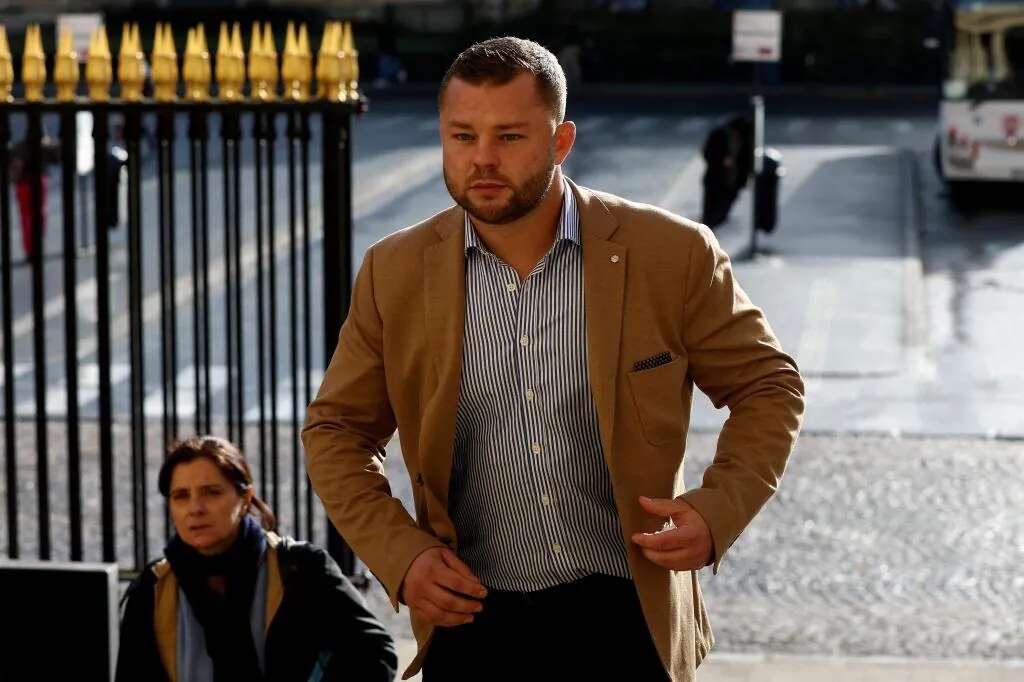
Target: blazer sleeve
<point>137,655</point>
<point>736,361</point>
<point>347,426</point>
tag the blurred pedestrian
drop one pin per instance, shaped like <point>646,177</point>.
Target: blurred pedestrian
<point>537,347</point>
<point>570,57</point>
<point>26,171</point>
<point>728,153</point>
<point>232,600</point>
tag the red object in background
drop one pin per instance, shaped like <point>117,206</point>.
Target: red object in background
<point>1011,124</point>
<point>23,191</point>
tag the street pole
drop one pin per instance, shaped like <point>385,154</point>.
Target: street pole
<point>757,103</point>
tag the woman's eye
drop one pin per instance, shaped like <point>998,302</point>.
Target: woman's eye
<point>511,137</point>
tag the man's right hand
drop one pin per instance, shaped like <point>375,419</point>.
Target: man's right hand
<point>441,590</point>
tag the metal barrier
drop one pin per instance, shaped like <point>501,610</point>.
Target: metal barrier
<point>231,297</point>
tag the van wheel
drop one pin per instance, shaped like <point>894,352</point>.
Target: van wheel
<point>962,195</point>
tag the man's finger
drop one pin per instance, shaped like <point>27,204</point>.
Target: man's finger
<point>660,506</point>
<point>452,561</point>
<point>677,560</point>
<point>432,613</point>
<point>456,582</point>
<point>667,540</point>
<point>447,600</point>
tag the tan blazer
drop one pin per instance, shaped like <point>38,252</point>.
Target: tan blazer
<point>654,282</point>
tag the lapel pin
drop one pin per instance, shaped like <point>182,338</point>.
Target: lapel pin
<point>615,259</point>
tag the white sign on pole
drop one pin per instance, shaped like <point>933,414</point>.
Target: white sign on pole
<point>81,27</point>
<point>757,36</point>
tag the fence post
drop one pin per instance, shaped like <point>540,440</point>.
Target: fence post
<point>337,247</point>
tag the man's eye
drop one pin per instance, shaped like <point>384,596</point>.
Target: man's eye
<point>463,137</point>
<point>511,137</point>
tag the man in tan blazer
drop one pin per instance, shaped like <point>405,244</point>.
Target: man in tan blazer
<point>536,347</point>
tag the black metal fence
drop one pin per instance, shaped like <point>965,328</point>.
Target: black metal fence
<point>206,298</point>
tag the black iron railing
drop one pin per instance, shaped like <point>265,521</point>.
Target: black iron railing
<point>206,339</point>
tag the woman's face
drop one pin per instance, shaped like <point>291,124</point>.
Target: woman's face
<point>205,506</point>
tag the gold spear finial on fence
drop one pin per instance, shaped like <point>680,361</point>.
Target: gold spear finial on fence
<point>255,66</point>
<point>99,70</point>
<point>165,65</point>
<point>131,70</point>
<point>297,64</point>
<point>350,62</point>
<point>270,60</point>
<point>328,65</point>
<point>65,70</point>
<point>230,67</point>
<point>6,67</point>
<point>262,64</point>
<point>33,64</point>
<point>197,65</point>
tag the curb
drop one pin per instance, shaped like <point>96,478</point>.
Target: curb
<point>915,317</point>
<point>736,667</point>
<point>798,668</point>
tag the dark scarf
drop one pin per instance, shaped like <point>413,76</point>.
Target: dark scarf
<point>225,618</point>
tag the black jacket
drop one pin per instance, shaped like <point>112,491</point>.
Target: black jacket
<point>321,617</point>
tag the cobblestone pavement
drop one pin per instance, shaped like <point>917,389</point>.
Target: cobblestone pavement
<point>872,546</point>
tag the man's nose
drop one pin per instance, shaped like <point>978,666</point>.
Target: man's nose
<point>485,154</point>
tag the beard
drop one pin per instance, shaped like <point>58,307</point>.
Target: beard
<point>525,196</point>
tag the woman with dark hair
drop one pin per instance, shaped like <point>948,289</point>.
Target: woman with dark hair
<point>232,600</point>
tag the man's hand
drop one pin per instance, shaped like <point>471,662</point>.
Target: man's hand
<point>685,543</point>
<point>441,590</point>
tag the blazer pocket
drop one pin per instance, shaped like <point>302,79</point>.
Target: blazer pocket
<point>658,397</point>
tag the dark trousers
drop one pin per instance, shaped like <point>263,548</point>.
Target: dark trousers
<point>592,628</point>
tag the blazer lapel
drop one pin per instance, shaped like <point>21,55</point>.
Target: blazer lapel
<point>444,274</point>
<point>604,285</point>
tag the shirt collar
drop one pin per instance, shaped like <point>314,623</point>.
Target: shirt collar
<point>568,222</point>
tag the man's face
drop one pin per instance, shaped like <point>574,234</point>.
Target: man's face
<point>501,145</point>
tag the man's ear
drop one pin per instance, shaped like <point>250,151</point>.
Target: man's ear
<point>565,138</point>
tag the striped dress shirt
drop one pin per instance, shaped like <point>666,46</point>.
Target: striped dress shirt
<point>531,496</point>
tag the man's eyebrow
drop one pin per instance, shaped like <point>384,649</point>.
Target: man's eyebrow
<point>500,126</point>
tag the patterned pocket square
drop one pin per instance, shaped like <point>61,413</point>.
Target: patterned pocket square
<point>652,362</point>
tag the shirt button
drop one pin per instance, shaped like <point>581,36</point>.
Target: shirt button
<point>556,548</point>
<point>545,499</point>
<point>511,287</point>
<point>530,395</point>
<point>535,448</point>
<point>524,340</point>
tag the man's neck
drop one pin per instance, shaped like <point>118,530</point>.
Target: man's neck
<point>522,243</point>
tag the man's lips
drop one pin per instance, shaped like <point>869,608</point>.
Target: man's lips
<point>486,185</point>
<point>197,528</point>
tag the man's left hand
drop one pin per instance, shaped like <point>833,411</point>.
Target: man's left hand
<point>685,543</point>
